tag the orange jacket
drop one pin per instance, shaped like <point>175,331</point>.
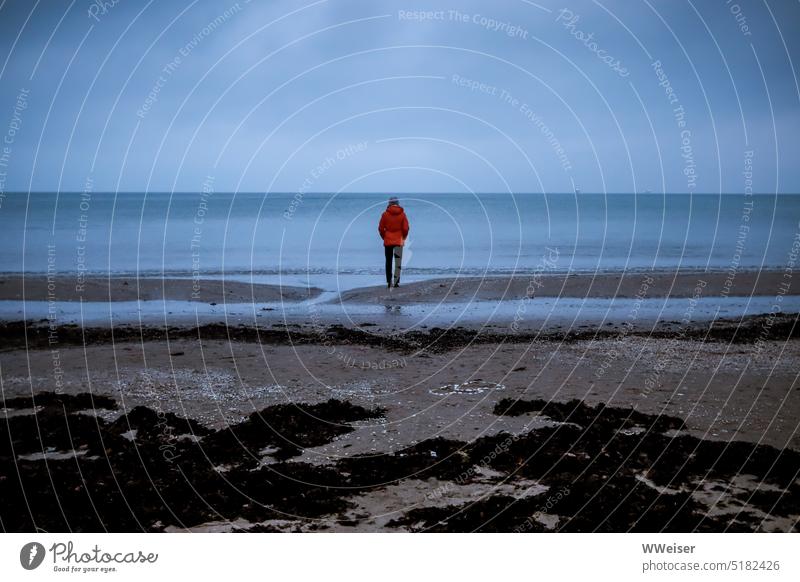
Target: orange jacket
<point>393,226</point>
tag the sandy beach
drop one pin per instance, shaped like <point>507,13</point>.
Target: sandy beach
<point>678,284</point>
<point>591,285</point>
<point>114,289</point>
<point>329,427</point>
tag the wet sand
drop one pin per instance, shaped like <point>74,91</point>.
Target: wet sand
<point>539,304</point>
<point>348,430</point>
<point>600,285</point>
<point>723,391</point>
<point>315,422</point>
<point>678,284</point>
<point>115,289</point>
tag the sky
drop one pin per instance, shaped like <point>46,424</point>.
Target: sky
<point>409,96</point>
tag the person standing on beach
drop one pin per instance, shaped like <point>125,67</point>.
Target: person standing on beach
<point>393,229</point>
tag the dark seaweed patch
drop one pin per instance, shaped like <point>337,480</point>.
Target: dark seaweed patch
<point>68,402</point>
<point>578,412</point>
<point>155,477</point>
<point>747,330</point>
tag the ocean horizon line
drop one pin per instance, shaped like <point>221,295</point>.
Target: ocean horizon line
<point>396,192</point>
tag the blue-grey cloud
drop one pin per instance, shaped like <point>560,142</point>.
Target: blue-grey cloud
<point>447,96</point>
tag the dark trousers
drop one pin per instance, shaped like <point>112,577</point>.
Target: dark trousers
<point>395,253</point>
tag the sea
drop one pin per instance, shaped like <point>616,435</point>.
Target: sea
<point>330,240</point>
<point>336,234</point>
